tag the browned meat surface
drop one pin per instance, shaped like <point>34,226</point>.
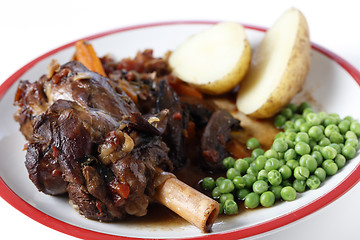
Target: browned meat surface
<point>81,109</point>
<point>216,135</point>
<point>104,141</point>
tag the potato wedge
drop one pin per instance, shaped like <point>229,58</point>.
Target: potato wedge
<point>214,61</point>
<point>278,68</point>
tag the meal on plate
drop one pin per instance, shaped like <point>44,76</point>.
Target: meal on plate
<point>117,136</point>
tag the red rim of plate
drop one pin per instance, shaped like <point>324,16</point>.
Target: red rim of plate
<point>13,199</point>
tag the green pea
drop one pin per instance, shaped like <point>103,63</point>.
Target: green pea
<point>293,107</point>
<point>249,160</point>
<point>299,185</point>
<point>279,121</point>
<point>274,177</point>
<point>280,145</point>
<point>290,154</point>
<point>239,182</point>
<point>272,164</point>
<point>219,180</point>
<point>296,116</point>
<point>317,148</point>
<point>221,208</point>
<point>263,175</point>
<point>282,162</point>
<point>287,112</point>
<point>315,133</point>
<point>301,173</point>
<point>228,162</point>
<point>241,165</point>
<point>249,180</point>
<point>302,148</point>
<point>330,129</point>
<point>306,112</point>
<point>322,116</point>
<point>280,135</point>
<point>208,183</point>
<point>252,200</point>
<point>330,167</point>
<point>320,173</point>
<point>226,186</point>
<point>305,127</point>
<point>267,199</point>
<point>340,160</point>
<point>336,147</point>
<point>241,193</point>
<point>349,118</point>
<point>344,126</point>
<point>288,193</point>
<point>276,190</point>
<point>324,142</point>
<point>259,162</point>
<point>271,153</point>
<point>292,164</point>
<point>330,120</point>
<point>226,196</point>
<point>355,127</point>
<point>257,152</point>
<point>302,137</point>
<point>281,155</point>
<point>336,116</point>
<point>252,143</point>
<point>216,193</point>
<point>318,157</point>
<point>298,123</point>
<point>354,142</point>
<point>309,162</point>
<point>289,125</point>
<point>290,136</point>
<point>328,152</point>
<point>285,171</point>
<point>303,106</point>
<point>313,182</point>
<point>231,173</point>
<point>252,171</point>
<point>350,134</point>
<point>336,137</point>
<point>313,119</point>
<point>260,186</point>
<point>312,143</point>
<point>348,151</point>
<point>230,207</point>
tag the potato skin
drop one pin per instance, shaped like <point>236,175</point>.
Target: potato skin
<point>294,76</point>
<point>232,79</point>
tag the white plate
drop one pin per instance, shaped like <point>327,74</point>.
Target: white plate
<point>332,83</point>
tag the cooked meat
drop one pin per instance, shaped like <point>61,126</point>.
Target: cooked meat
<point>85,117</point>
<point>200,110</point>
<point>144,62</point>
<point>216,135</point>
<point>176,124</point>
<point>104,141</point>
<point>31,101</point>
<point>44,171</point>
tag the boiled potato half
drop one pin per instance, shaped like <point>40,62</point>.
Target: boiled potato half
<point>213,61</point>
<point>278,68</point>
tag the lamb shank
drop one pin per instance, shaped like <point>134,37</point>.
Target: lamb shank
<point>109,143</point>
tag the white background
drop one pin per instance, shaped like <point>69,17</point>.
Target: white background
<point>31,28</point>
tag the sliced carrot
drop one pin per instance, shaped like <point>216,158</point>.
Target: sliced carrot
<point>182,88</point>
<point>85,54</point>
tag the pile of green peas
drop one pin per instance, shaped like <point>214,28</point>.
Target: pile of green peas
<point>311,147</point>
